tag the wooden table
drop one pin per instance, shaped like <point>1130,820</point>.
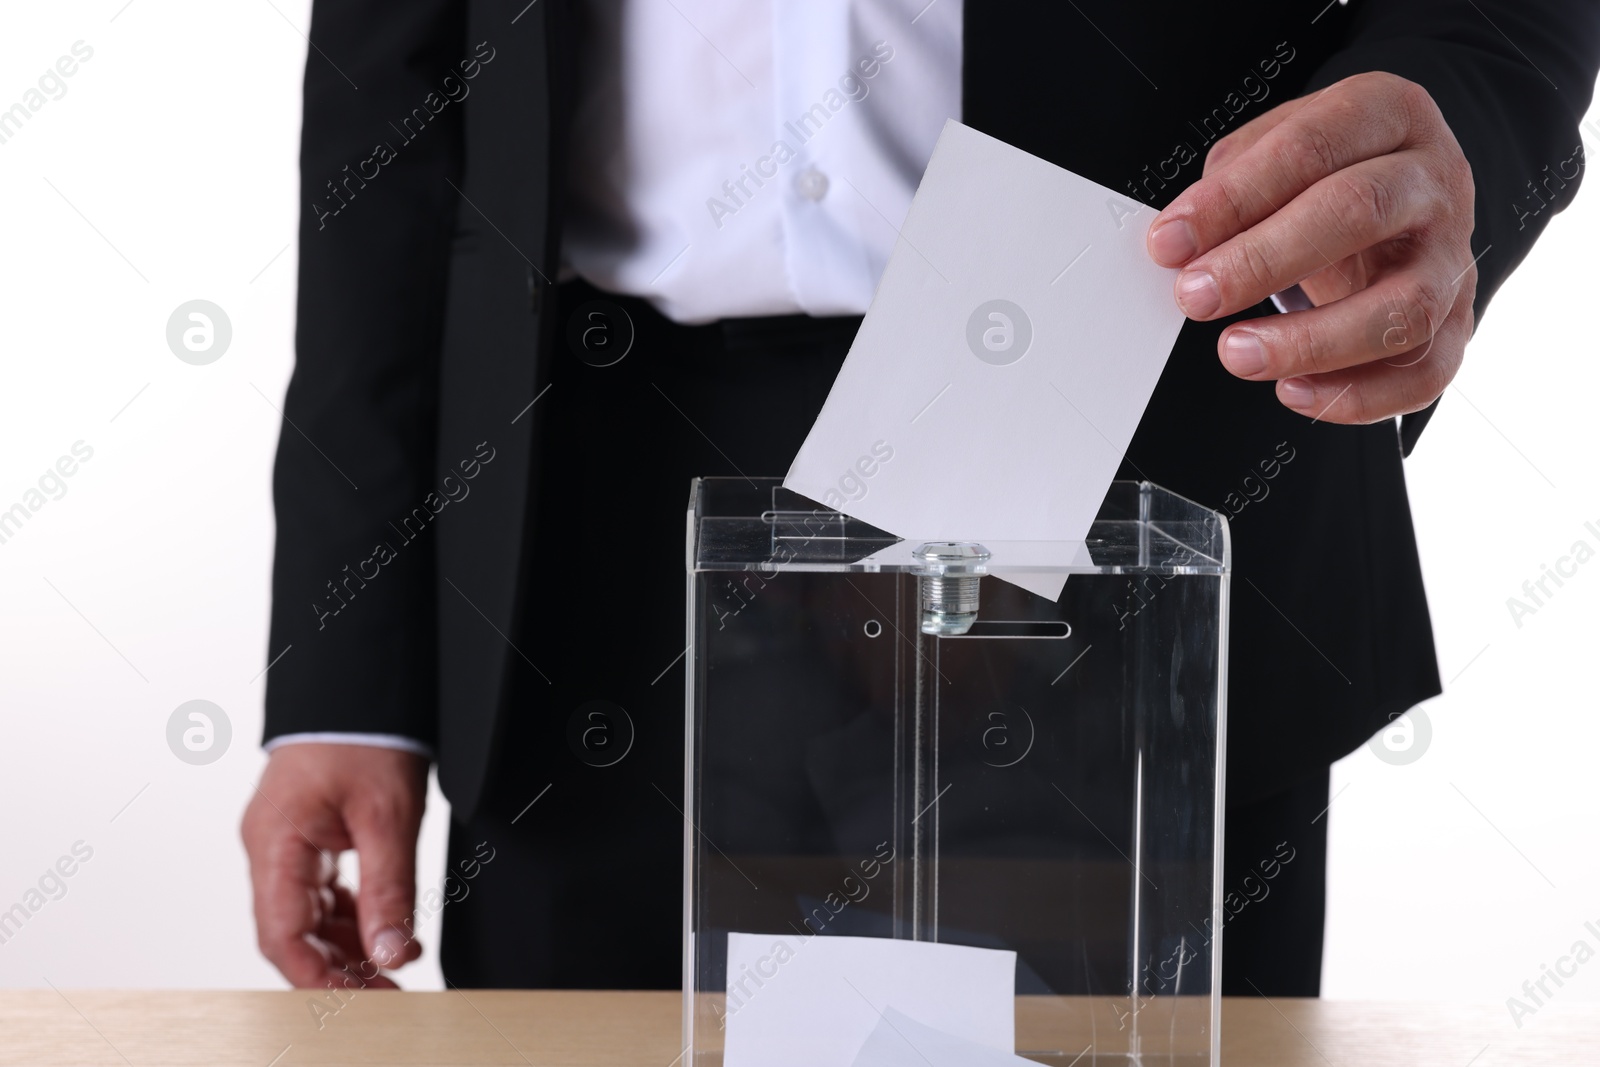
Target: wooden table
<point>42,1028</point>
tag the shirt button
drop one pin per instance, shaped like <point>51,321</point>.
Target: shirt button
<point>811,183</point>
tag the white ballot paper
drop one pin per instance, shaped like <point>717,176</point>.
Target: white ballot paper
<point>901,1041</point>
<point>813,1001</point>
<point>1012,345</point>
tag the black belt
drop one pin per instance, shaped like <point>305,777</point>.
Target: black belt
<point>756,333</point>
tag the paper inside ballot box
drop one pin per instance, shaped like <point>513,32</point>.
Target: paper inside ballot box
<point>812,1001</point>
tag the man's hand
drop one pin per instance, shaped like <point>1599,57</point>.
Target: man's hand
<point>1359,193</point>
<point>315,801</point>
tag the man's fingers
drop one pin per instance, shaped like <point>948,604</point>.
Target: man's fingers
<point>384,829</point>
<point>1177,244</point>
<point>1385,388</point>
<point>1335,129</point>
<point>348,965</point>
<point>286,875</point>
<point>379,980</point>
<point>1395,318</point>
<point>346,971</point>
<point>339,927</point>
<point>324,799</point>
<point>1340,216</point>
<point>1231,147</point>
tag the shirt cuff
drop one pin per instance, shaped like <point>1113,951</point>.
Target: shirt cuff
<point>394,741</point>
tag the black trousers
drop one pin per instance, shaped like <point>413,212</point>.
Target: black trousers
<point>581,814</point>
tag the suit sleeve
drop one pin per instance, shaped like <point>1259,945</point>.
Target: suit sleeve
<point>352,635</point>
<point>1513,79</point>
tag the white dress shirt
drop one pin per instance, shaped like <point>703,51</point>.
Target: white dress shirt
<point>755,158</point>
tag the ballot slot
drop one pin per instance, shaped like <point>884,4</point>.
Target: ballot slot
<point>1016,630</point>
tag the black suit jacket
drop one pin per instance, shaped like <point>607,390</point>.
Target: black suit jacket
<point>434,143</point>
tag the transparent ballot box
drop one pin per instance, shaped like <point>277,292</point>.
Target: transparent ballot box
<point>890,740</point>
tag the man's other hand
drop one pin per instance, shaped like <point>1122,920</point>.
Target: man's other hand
<point>315,801</point>
<point>1361,195</point>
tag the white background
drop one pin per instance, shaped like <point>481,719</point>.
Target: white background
<point>167,173</point>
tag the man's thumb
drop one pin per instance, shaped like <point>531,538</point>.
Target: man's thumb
<point>385,838</point>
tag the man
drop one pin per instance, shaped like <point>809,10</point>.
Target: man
<point>479,510</point>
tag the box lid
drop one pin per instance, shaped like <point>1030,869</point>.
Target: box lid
<point>755,524</point>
